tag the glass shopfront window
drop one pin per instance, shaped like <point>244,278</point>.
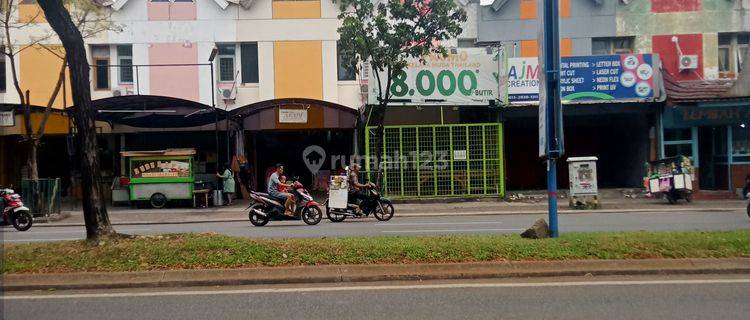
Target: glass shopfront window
<point>678,142</point>
<point>741,143</point>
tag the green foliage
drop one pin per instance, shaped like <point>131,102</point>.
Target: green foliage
<point>201,251</point>
<point>387,33</point>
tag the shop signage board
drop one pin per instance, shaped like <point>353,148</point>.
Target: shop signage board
<point>467,76</point>
<point>7,119</point>
<point>690,116</point>
<point>292,116</point>
<point>587,78</point>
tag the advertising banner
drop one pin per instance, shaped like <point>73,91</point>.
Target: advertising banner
<point>587,78</point>
<point>467,76</point>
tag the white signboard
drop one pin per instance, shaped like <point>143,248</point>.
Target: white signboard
<point>523,79</point>
<point>467,76</point>
<point>292,116</point>
<point>7,119</point>
<point>459,154</point>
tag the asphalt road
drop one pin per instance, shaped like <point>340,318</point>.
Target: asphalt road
<point>686,297</point>
<point>661,221</point>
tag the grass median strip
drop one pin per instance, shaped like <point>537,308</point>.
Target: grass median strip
<point>203,251</point>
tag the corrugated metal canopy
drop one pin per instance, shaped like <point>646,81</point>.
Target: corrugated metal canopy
<point>146,111</point>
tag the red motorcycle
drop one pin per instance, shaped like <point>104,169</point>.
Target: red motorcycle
<point>266,208</point>
<point>14,211</point>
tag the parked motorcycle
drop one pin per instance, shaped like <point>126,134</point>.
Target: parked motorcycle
<point>266,208</point>
<point>373,203</point>
<point>14,212</point>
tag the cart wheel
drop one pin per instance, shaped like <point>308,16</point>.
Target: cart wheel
<point>158,200</point>
<point>670,198</point>
<point>333,216</point>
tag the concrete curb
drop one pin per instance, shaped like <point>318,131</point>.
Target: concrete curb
<point>429,214</point>
<point>371,273</point>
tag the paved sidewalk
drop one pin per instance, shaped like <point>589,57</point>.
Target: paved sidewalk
<point>363,273</point>
<point>237,212</point>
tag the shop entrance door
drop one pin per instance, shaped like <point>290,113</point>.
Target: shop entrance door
<point>712,150</point>
<point>266,148</point>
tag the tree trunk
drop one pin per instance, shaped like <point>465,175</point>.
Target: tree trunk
<point>31,163</point>
<point>377,118</point>
<point>33,174</point>
<point>94,207</point>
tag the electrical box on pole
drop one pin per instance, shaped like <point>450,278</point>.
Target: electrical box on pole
<point>551,142</point>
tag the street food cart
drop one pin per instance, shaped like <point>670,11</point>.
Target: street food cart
<point>671,177</point>
<point>160,176</point>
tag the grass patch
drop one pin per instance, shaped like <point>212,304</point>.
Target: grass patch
<point>203,251</point>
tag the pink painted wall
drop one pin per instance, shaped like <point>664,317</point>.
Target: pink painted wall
<point>180,82</point>
<point>158,10</point>
<point>172,11</point>
<point>183,11</point>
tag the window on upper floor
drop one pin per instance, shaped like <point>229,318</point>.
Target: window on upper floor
<point>226,63</point>
<point>732,51</point>
<point>467,43</point>
<point>125,61</point>
<point>249,61</point>
<point>613,45</point>
<point>346,72</point>
<point>100,56</point>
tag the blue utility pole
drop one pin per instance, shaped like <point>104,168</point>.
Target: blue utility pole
<point>551,142</point>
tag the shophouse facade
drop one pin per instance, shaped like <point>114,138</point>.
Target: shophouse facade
<point>694,40</point>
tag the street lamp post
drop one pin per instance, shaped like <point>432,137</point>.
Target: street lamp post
<point>211,58</point>
<point>551,141</point>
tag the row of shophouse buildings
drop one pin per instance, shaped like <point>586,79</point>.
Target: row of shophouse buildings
<point>264,80</point>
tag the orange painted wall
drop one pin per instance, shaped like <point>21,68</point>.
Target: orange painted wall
<point>529,48</point>
<point>56,124</point>
<point>30,13</point>
<point>38,74</point>
<point>566,47</point>
<point>307,9</point>
<point>529,9</point>
<point>564,8</point>
<point>298,69</point>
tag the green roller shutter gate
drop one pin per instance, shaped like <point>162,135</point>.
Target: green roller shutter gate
<point>440,160</point>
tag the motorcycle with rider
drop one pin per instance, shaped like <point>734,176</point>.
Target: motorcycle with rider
<point>361,200</point>
<point>283,201</point>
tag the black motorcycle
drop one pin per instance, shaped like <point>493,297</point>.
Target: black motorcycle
<point>373,203</point>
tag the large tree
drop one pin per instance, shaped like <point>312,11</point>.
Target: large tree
<point>88,17</point>
<point>94,207</point>
<point>387,33</point>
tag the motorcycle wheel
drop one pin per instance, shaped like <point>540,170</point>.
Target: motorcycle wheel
<point>22,221</point>
<point>256,219</point>
<point>312,215</point>
<point>384,211</point>
<point>748,210</point>
<point>335,217</point>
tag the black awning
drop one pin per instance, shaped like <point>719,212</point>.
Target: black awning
<point>145,111</point>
